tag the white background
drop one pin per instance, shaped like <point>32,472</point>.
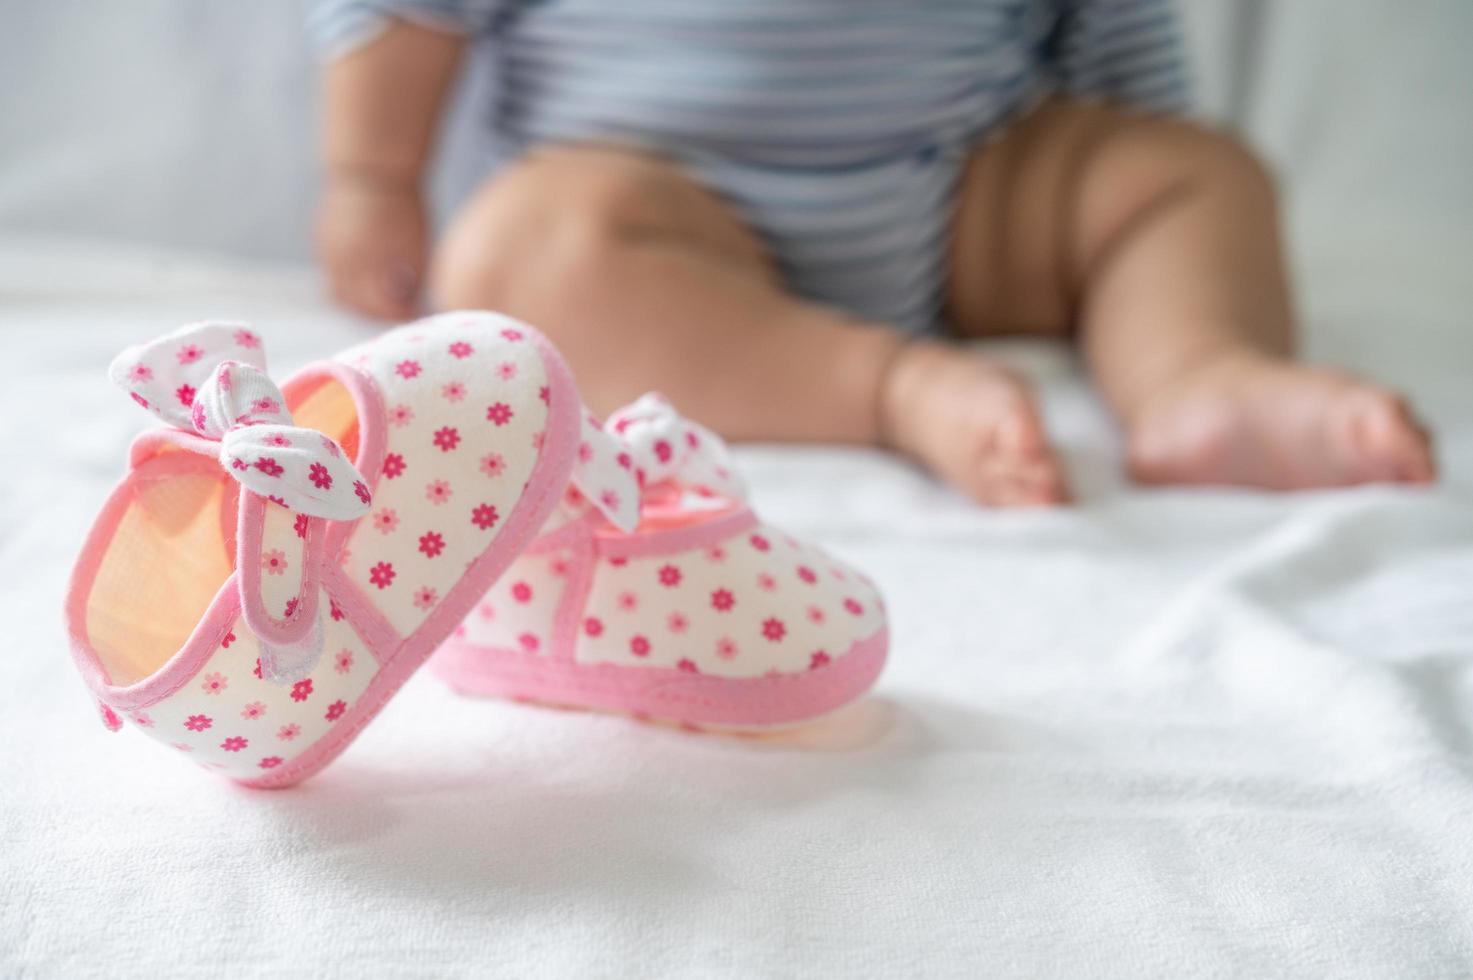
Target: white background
<point>1162,733</point>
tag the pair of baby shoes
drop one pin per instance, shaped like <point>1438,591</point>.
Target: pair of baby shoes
<point>276,562</point>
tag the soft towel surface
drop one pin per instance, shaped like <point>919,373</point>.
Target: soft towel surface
<point>1160,733</point>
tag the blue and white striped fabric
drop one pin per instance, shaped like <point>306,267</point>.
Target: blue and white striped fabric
<point>838,127</point>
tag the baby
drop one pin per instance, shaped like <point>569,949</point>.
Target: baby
<point>784,214</point>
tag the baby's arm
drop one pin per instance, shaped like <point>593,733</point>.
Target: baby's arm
<point>382,105</point>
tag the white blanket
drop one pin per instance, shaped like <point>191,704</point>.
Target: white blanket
<point>1159,733</point>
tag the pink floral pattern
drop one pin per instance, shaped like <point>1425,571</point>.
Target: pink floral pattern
<point>447,438</point>
<point>458,482</point>
<point>405,561</point>
<point>755,603</point>
<point>382,575</point>
<point>644,445</point>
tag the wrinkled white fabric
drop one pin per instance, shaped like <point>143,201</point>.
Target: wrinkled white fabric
<point>1159,733</point>
<point>1162,733</point>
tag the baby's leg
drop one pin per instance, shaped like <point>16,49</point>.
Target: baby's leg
<point>1159,240</point>
<point>646,281</point>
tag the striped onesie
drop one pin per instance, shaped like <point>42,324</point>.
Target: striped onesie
<point>837,128</point>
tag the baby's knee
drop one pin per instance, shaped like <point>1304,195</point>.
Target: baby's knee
<point>1167,154</point>
<point>545,225</point>
<point>1226,160</point>
<point>1140,165</point>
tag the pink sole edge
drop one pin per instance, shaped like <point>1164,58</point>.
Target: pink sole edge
<point>664,693</point>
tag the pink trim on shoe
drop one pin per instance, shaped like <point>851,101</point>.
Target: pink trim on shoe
<point>372,423</point>
<point>569,616</point>
<point>397,656</point>
<point>544,489</point>
<point>213,625</point>
<point>698,613</point>
<point>663,692</point>
<point>250,546</point>
<point>698,535</point>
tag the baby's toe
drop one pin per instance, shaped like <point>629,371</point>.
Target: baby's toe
<point>1380,439</point>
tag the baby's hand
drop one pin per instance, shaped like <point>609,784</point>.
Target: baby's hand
<point>372,240</point>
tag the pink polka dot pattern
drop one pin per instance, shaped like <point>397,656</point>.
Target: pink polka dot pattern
<point>442,444</point>
<point>523,603</point>
<point>449,475</point>
<point>241,723</point>
<point>747,604</point>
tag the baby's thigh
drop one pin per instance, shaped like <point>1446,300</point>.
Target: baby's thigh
<point>1034,210</point>
<point>1009,263</point>
<point>572,205</point>
<point>1039,210</point>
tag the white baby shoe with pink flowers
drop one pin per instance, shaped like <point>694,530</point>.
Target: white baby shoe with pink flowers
<point>655,591</point>
<point>276,563</point>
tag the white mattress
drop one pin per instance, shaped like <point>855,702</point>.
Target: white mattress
<point>1159,733</point>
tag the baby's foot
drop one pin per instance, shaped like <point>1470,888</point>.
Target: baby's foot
<point>1258,422</point>
<point>973,423</point>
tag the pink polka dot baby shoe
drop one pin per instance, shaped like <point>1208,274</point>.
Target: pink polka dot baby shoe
<point>276,563</point>
<point>655,591</point>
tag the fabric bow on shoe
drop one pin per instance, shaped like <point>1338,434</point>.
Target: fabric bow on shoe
<point>648,445</point>
<point>210,378</point>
